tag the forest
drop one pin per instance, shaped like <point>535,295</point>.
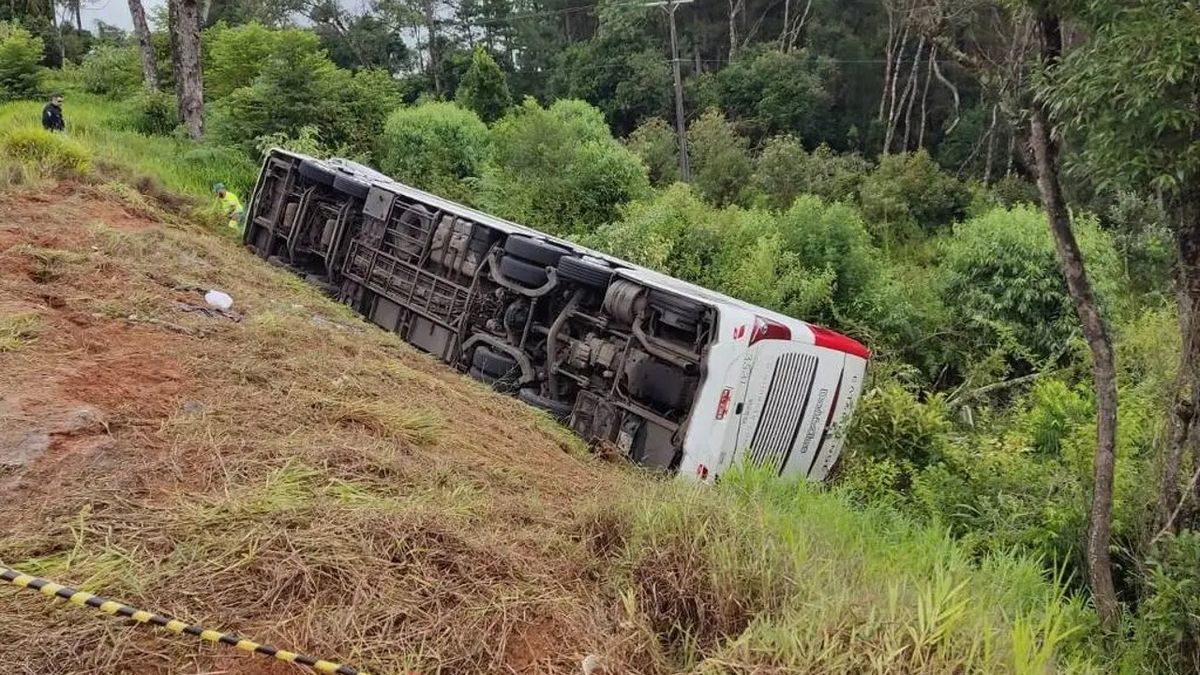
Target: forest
<point>1000,198</point>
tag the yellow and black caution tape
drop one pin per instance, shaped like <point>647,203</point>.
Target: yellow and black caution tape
<point>85,599</point>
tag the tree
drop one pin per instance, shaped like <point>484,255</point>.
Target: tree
<point>1004,290</point>
<point>142,30</point>
<point>110,71</point>
<point>434,146</point>
<point>185,52</point>
<point>484,88</point>
<point>20,69</point>
<point>720,158</point>
<point>1045,151</point>
<point>656,143</point>
<point>783,171</point>
<point>1128,95</point>
<point>559,168</point>
<point>909,193</point>
<point>771,92</point>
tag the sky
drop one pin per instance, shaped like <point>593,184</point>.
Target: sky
<point>114,12</point>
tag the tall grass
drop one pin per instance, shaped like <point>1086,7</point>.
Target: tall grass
<point>105,129</point>
<point>765,575</point>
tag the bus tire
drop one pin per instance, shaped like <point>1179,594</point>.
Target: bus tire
<point>527,274</point>
<point>317,172</point>
<point>489,362</point>
<point>350,185</point>
<point>477,374</point>
<point>557,409</point>
<point>534,251</point>
<point>585,271</point>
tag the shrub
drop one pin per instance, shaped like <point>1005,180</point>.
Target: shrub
<point>673,231</point>
<point>20,63</point>
<point>657,144</point>
<point>50,153</point>
<point>483,88</point>
<point>908,194</point>
<point>831,237</point>
<point>155,113</point>
<point>559,168</point>
<point>434,146</point>
<point>784,171</point>
<point>111,71</point>
<point>1167,637</point>
<point>719,158</point>
<point>360,105</point>
<point>1002,282</point>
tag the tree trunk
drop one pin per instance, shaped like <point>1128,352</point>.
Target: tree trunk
<point>1095,332</point>
<point>185,58</point>
<point>142,30</point>
<point>735,6</point>
<point>79,15</point>
<point>1182,417</point>
<point>435,64</point>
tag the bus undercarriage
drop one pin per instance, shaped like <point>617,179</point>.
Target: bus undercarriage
<point>617,361</point>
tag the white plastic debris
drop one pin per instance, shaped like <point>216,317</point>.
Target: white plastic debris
<point>218,300</point>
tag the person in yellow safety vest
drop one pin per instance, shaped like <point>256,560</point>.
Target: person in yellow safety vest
<point>231,206</point>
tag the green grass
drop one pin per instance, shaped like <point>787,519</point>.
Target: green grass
<point>102,127</point>
<point>762,574</point>
<point>18,330</point>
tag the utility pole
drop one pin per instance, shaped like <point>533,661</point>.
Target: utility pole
<point>680,125</point>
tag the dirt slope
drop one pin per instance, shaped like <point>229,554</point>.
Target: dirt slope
<point>286,472</point>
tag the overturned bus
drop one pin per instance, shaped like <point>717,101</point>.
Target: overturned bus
<point>677,377</point>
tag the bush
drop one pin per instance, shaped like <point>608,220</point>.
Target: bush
<point>434,146</point>
<point>111,71</point>
<point>784,171</point>
<point>1167,637</point>
<point>50,153</point>
<point>832,237</point>
<point>559,168</point>
<point>909,194</point>
<point>483,88</point>
<point>673,231</point>
<point>772,92</point>
<point>1003,285</point>
<point>20,63</point>
<point>155,113</point>
<point>657,144</point>
<point>719,158</point>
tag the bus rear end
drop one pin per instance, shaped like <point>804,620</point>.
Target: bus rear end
<point>778,395</point>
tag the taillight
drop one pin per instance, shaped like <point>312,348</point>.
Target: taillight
<point>823,337</point>
<point>766,329</point>
<point>702,472</point>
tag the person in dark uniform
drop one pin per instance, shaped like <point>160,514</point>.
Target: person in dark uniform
<point>52,117</point>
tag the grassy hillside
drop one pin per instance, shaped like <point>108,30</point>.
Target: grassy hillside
<point>301,477</point>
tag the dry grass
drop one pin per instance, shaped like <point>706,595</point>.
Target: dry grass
<point>298,475</point>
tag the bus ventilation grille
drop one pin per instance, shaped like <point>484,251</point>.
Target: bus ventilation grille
<point>783,410</point>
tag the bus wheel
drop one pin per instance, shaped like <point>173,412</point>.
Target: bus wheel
<point>585,271</point>
<point>557,409</point>
<point>534,251</point>
<point>529,274</point>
